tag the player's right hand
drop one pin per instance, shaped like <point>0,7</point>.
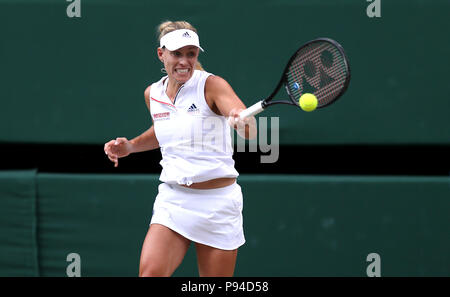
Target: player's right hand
<point>117,148</point>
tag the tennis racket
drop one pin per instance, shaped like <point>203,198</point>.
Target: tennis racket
<point>319,67</point>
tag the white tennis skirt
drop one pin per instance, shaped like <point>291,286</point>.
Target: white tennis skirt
<point>212,217</point>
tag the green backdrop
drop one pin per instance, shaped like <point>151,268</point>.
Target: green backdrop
<point>81,80</point>
<point>18,224</point>
<point>294,225</point>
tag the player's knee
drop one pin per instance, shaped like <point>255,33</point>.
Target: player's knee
<point>150,270</point>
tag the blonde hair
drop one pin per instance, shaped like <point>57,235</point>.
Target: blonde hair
<point>169,26</point>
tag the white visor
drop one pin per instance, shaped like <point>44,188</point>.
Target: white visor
<point>180,38</point>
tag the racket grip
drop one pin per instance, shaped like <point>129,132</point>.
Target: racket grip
<point>252,110</point>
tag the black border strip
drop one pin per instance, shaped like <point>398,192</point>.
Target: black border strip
<point>305,159</point>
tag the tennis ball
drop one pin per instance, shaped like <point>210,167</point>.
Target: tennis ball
<point>308,102</point>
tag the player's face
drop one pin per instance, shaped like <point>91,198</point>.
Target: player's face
<point>180,64</point>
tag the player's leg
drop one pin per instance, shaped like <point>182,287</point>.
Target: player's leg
<point>215,262</point>
<point>162,252</point>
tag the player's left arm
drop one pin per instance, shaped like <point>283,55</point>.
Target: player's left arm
<point>227,103</point>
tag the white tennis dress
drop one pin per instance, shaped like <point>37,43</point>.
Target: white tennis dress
<point>195,146</point>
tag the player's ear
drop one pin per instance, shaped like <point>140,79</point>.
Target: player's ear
<point>159,52</point>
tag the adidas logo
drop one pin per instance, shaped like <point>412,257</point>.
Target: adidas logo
<point>186,34</point>
<point>193,108</point>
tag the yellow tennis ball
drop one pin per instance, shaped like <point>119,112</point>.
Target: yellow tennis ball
<point>308,102</point>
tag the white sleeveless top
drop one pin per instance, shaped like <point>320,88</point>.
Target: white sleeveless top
<point>195,142</point>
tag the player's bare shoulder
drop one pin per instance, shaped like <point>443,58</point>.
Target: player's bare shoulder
<point>216,87</point>
<point>216,83</point>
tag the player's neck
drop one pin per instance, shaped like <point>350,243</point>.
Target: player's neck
<point>173,87</point>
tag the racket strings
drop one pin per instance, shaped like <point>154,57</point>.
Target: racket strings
<point>320,69</point>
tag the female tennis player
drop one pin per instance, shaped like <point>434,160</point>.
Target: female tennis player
<point>199,199</point>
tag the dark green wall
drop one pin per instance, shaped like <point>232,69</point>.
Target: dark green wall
<point>18,224</point>
<point>82,80</point>
<point>294,225</point>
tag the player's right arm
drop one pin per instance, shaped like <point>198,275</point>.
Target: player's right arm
<point>122,147</point>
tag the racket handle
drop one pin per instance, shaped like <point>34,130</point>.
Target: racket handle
<point>252,110</point>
